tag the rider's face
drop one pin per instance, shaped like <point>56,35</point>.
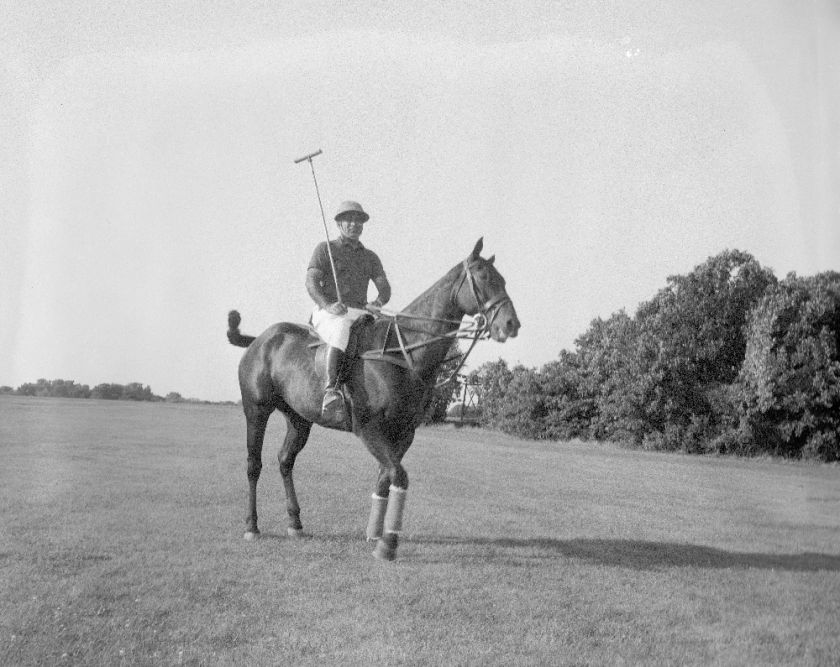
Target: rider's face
<point>351,227</point>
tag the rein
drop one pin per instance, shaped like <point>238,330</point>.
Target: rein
<point>477,330</point>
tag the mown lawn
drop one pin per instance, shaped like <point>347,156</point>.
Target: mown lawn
<point>121,543</point>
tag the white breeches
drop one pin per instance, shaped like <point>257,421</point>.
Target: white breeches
<point>335,329</point>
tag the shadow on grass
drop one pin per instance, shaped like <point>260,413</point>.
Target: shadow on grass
<point>306,536</point>
<point>644,555</point>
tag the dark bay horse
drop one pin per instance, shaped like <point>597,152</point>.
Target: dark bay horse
<point>386,401</point>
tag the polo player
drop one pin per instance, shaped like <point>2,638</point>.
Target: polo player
<point>355,267</point>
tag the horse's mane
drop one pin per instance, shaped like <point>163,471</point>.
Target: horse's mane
<point>420,302</point>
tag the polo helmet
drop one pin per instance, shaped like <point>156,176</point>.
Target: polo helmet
<point>351,207</point>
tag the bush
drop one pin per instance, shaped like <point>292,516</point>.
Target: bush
<point>512,400</point>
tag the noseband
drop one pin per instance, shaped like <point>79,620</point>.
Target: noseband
<point>487,310</point>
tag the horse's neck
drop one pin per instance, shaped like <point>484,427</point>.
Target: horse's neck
<point>435,303</point>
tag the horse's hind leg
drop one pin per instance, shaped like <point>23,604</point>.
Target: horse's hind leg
<point>256,417</point>
<point>297,433</point>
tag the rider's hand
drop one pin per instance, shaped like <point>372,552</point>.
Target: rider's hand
<point>373,306</point>
<point>336,308</point>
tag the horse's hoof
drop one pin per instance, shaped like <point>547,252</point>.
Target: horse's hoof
<point>295,533</point>
<point>384,553</point>
<point>250,535</point>
<point>386,547</point>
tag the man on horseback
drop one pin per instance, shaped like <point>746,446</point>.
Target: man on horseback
<point>337,308</point>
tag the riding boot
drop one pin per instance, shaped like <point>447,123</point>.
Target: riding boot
<point>333,406</point>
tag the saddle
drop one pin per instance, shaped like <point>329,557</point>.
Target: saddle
<point>366,341</point>
<point>358,344</point>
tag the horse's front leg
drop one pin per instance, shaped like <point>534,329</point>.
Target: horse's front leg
<point>388,503</point>
<point>378,505</point>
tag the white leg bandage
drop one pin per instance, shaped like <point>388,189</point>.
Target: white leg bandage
<point>377,517</point>
<point>394,513</point>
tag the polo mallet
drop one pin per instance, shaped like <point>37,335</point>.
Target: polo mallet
<point>323,218</point>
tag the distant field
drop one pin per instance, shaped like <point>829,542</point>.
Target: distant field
<point>121,543</point>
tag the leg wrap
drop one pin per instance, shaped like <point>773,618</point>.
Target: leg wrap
<point>377,517</point>
<point>396,506</point>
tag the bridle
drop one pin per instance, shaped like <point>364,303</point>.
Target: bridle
<point>479,329</point>
<point>490,306</point>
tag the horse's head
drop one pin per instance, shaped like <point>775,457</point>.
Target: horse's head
<point>481,290</point>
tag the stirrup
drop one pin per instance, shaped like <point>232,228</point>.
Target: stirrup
<point>331,397</point>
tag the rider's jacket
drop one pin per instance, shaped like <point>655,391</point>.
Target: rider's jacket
<point>355,266</point>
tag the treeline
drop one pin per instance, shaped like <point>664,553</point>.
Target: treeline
<point>726,359</point>
<point>133,391</point>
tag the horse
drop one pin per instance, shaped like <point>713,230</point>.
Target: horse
<point>387,388</point>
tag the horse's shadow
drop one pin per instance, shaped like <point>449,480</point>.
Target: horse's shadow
<point>640,554</point>
<point>635,554</point>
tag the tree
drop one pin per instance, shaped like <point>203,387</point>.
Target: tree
<point>79,391</point>
<point>27,389</point>
<point>512,400</point>
<point>492,378</point>
<point>135,391</point>
<point>790,381</point>
<point>700,317</point>
<point>690,347</point>
<point>608,357</point>
<point>524,409</point>
<point>107,391</point>
<point>570,403</point>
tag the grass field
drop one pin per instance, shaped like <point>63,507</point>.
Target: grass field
<point>121,544</point>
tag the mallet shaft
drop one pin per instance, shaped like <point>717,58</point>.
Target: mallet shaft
<point>324,219</point>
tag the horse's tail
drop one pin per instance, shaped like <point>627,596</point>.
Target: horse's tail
<point>234,335</point>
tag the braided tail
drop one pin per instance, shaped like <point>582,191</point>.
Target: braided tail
<point>233,334</point>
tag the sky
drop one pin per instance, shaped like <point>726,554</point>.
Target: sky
<point>148,184</point>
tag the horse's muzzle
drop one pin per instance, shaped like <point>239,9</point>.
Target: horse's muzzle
<point>505,325</point>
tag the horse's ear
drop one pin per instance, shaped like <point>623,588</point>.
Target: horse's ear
<point>476,253</point>
<point>492,259</point>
